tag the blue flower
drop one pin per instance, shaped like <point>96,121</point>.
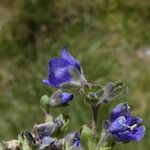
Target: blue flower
<point>125,127</point>
<point>59,71</point>
<point>60,99</point>
<point>73,140</point>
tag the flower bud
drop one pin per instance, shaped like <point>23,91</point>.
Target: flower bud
<point>57,99</point>
<point>113,90</point>
<point>44,129</point>
<point>73,139</point>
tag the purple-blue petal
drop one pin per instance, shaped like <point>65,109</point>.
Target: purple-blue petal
<point>45,81</point>
<point>120,110</point>
<point>136,135</point>
<point>118,125</point>
<point>58,71</point>
<point>67,56</point>
<point>133,120</point>
<point>66,97</point>
<point>77,143</point>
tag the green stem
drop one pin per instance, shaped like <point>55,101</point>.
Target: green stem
<point>95,111</point>
<point>106,141</point>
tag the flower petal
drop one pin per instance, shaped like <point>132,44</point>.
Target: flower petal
<point>133,120</point>
<point>120,110</point>
<point>135,135</point>
<point>66,97</point>
<point>118,125</point>
<point>76,144</point>
<point>67,56</point>
<point>58,71</point>
<point>139,133</point>
<point>45,81</point>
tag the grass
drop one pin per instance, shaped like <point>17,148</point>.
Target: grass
<point>109,39</point>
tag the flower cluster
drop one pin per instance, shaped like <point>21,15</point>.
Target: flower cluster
<point>65,73</point>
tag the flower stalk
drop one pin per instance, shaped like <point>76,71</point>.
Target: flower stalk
<point>95,112</point>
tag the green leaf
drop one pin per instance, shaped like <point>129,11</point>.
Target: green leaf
<point>87,138</point>
<point>86,134</point>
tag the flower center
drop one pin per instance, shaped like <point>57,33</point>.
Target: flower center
<point>132,127</point>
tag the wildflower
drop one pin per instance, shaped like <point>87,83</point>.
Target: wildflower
<point>125,127</point>
<point>64,70</point>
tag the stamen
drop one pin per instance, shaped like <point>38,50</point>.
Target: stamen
<point>133,127</point>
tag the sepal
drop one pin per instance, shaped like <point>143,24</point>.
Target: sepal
<point>92,93</point>
<point>78,79</point>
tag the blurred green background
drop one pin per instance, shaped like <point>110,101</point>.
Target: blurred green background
<point>111,38</point>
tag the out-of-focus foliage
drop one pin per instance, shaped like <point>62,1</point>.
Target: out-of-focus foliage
<point>111,38</point>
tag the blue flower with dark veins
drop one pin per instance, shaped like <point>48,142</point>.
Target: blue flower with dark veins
<point>73,140</point>
<point>125,127</point>
<point>63,71</point>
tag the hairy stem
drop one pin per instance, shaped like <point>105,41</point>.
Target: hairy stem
<point>95,111</point>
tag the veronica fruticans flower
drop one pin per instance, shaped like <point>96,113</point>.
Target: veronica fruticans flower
<point>125,127</point>
<point>64,70</point>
